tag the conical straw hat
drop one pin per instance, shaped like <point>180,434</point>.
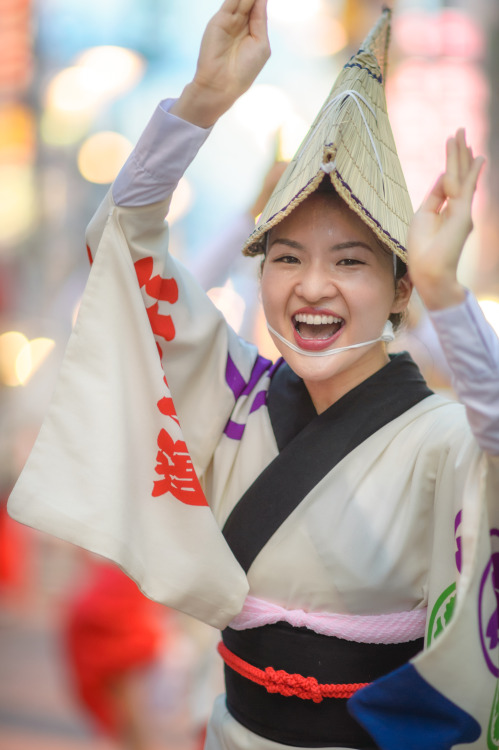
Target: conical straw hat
<point>350,140</point>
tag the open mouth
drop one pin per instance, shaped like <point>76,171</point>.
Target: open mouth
<point>317,327</point>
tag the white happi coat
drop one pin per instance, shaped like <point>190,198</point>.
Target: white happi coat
<point>112,471</point>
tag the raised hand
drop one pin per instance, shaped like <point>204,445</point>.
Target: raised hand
<point>441,226</point>
<point>234,49</point>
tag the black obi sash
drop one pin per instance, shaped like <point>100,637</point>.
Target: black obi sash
<point>317,442</point>
<point>294,721</point>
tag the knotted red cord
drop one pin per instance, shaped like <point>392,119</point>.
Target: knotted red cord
<point>279,681</point>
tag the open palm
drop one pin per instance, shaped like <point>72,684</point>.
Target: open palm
<point>440,227</point>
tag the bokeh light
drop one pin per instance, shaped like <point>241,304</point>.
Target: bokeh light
<point>292,12</point>
<point>437,87</point>
<point>230,304</point>
<point>490,308</point>
<point>74,89</point>
<point>181,202</point>
<point>21,358</point>
<point>330,36</point>
<point>32,355</point>
<point>11,344</point>
<point>292,132</point>
<point>102,155</point>
<point>64,127</point>
<point>449,32</point>
<point>313,27</point>
<point>114,70</point>
<point>263,110</point>
<point>99,74</point>
<point>18,203</point>
<point>17,133</point>
<point>75,94</point>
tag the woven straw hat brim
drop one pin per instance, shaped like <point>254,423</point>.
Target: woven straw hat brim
<point>350,140</point>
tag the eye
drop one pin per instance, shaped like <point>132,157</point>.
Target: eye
<point>350,262</point>
<point>286,259</point>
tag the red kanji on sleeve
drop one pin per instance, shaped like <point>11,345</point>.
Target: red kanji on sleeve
<point>160,289</point>
<point>173,463</point>
<point>162,325</point>
<point>156,286</point>
<point>167,407</point>
<point>175,466</point>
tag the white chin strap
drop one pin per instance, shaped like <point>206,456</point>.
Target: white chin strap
<point>387,335</point>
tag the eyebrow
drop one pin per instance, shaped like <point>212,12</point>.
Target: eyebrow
<point>288,243</point>
<point>340,246</point>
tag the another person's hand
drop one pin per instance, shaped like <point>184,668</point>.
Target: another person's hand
<point>440,227</point>
<point>234,49</point>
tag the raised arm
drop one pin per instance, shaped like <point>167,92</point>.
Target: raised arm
<point>195,342</point>
<point>234,49</point>
<point>436,240</point>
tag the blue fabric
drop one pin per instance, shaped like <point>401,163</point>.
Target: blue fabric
<point>402,710</point>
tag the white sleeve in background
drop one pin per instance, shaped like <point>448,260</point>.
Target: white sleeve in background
<point>162,154</point>
<point>222,255</point>
<point>471,348</point>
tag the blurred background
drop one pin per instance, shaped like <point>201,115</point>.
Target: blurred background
<point>79,80</point>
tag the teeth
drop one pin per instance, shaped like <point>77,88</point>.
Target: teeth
<point>315,320</point>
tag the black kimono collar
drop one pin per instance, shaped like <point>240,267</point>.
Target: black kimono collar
<point>291,408</point>
<point>312,444</point>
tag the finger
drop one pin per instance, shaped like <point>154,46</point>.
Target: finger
<point>451,175</point>
<point>243,6</point>
<point>471,180</point>
<point>258,20</point>
<point>230,6</point>
<point>259,11</point>
<point>464,154</point>
<point>436,198</point>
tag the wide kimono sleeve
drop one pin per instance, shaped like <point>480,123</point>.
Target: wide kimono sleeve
<point>448,695</point>
<point>142,399</point>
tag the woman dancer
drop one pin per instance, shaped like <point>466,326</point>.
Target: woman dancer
<point>355,504</point>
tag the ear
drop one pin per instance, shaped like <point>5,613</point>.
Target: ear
<point>402,294</point>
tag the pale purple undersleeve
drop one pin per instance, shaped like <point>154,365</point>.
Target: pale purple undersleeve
<point>471,348</point>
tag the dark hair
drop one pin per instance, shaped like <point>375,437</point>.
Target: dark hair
<point>400,270</point>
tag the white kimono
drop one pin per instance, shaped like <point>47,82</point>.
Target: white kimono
<point>116,466</point>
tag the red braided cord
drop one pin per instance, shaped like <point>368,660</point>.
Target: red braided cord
<point>279,681</point>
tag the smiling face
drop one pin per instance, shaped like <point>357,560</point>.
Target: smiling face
<point>326,282</point>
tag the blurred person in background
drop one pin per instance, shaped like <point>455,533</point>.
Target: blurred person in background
<point>15,560</point>
<point>112,633</point>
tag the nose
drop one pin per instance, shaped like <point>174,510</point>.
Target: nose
<point>315,283</point>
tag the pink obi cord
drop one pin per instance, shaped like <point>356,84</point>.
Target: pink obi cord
<point>397,627</point>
